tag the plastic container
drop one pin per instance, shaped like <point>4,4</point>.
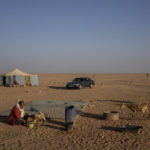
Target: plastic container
<point>113,115</point>
<point>31,125</point>
<point>70,114</point>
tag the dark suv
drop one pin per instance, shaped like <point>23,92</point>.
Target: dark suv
<point>80,82</point>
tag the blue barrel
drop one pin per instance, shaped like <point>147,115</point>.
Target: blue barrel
<point>70,114</point>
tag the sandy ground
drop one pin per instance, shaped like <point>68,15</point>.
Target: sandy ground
<point>91,132</point>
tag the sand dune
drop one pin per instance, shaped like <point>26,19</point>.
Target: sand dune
<point>88,134</point>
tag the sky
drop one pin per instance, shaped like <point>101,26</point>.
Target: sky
<point>75,36</point>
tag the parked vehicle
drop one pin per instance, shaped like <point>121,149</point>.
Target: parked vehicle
<point>80,83</point>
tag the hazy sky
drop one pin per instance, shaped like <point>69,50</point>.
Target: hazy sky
<point>75,36</point>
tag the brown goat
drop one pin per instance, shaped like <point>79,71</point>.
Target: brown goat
<point>36,119</point>
<point>39,117</point>
<point>136,107</point>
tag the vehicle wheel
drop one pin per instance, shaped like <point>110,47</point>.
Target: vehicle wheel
<point>67,87</point>
<point>80,86</point>
<point>91,85</point>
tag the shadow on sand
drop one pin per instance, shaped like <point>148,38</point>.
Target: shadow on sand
<point>94,116</point>
<point>56,122</point>
<point>116,101</point>
<point>55,127</point>
<point>127,128</point>
<point>58,87</point>
<point>4,119</point>
<point>62,88</point>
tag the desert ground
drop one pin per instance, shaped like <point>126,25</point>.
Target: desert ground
<point>91,131</point>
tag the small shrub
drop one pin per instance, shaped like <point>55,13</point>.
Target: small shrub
<point>147,75</point>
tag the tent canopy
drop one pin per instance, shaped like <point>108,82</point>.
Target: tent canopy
<point>17,77</point>
<point>53,109</point>
<point>16,72</point>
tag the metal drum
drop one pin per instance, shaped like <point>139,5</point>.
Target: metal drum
<point>70,116</point>
<point>113,115</point>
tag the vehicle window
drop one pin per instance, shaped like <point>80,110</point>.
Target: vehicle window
<point>89,79</point>
<point>77,79</point>
<point>81,80</point>
<point>84,79</point>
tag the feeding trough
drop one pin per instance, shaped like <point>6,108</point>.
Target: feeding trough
<point>111,115</point>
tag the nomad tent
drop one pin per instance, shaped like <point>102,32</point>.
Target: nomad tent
<point>1,80</point>
<point>19,78</point>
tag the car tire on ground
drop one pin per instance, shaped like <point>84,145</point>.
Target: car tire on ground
<point>80,86</point>
<point>67,87</point>
<point>91,85</point>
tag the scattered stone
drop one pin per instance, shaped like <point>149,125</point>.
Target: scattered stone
<point>39,92</point>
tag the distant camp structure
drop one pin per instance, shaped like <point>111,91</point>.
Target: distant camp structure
<point>19,78</point>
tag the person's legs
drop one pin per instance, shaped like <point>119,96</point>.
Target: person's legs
<point>26,117</point>
<point>19,122</point>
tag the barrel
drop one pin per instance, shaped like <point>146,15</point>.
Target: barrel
<point>70,116</point>
<point>113,115</point>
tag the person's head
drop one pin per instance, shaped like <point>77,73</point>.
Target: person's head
<point>21,103</point>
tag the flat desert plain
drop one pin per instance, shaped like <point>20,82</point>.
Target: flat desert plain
<point>91,131</point>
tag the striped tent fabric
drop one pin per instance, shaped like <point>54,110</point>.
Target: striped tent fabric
<point>34,80</point>
<point>19,78</point>
<point>1,80</point>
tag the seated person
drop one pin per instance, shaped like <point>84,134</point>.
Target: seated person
<point>17,115</point>
<point>16,83</point>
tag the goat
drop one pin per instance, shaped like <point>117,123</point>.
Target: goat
<point>37,118</point>
<point>136,107</point>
